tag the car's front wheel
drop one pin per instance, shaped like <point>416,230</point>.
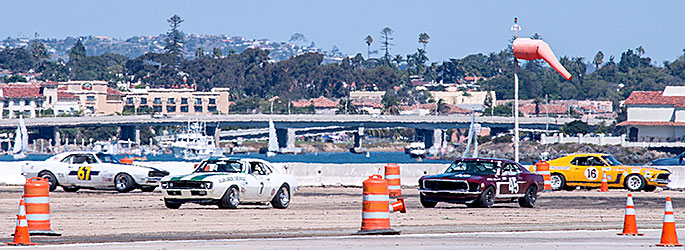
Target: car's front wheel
<point>557,182</point>
<point>529,199</point>
<point>172,204</point>
<point>426,203</point>
<point>123,183</point>
<point>282,198</point>
<point>487,197</point>
<point>231,198</point>
<point>52,181</point>
<point>634,182</point>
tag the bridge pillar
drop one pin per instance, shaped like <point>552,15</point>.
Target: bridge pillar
<point>137,128</point>
<point>358,144</point>
<point>286,141</point>
<point>57,136</point>
<point>129,133</point>
<point>433,139</point>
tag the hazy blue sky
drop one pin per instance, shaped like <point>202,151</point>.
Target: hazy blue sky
<point>457,28</point>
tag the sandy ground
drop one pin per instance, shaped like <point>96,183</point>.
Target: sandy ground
<point>104,216</point>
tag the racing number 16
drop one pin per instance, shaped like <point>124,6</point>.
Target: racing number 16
<point>84,173</point>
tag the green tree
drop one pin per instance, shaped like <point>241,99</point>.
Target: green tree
<point>386,36</point>
<point>390,103</point>
<point>174,40</point>
<point>423,39</point>
<point>599,58</point>
<point>216,53</point>
<point>576,127</point>
<point>39,51</point>
<point>346,106</point>
<point>78,52</point>
<point>398,60</point>
<point>199,53</point>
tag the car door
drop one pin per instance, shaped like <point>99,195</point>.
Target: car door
<point>81,170</point>
<point>510,177</point>
<point>253,184</point>
<point>262,174</point>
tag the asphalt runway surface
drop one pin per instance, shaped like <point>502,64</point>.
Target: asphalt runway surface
<point>329,216</point>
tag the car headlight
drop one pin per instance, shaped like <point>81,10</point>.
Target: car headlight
<point>208,185</point>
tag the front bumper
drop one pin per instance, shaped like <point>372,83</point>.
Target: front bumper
<point>450,196</point>
<point>192,194</point>
<point>149,181</point>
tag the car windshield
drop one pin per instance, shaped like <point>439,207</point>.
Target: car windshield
<point>473,167</point>
<point>219,166</point>
<point>611,160</point>
<point>108,158</point>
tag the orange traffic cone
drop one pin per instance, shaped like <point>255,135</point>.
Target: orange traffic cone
<point>669,237</point>
<point>630,223</point>
<point>605,184</point>
<point>21,232</point>
<point>398,206</point>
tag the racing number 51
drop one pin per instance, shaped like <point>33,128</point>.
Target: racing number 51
<point>83,173</point>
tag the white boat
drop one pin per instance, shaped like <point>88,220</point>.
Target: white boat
<point>272,147</point>
<point>21,141</point>
<point>194,143</point>
<point>415,149</point>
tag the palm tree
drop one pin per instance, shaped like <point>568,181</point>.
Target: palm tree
<point>369,41</point>
<point>441,107</point>
<point>598,59</point>
<point>423,39</point>
<point>390,103</point>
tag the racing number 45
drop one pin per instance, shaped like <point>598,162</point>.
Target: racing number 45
<point>83,173</point>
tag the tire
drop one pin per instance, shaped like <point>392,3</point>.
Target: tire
<point>649,188</point>
<point>530,197</point>
<point>282,198</point>
<point>558,182</point>
<point>147,188</point>
<point>634,182</point>
<point>172,204</point>
<point>52,180</point>
<point>70,189</point>
<point>487,197</point>
<point>124,183</point>
<point>426,203</point>
<point>231,198</point>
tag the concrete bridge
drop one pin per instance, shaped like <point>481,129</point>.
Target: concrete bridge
<point>431,128</point>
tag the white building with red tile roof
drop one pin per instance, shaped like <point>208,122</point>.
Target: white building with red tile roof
<point>20,99</point>
<point>656,116</point>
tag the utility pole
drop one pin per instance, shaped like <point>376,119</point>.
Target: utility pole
<point>515,28</point>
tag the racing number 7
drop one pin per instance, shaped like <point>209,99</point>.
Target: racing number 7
<point>84,173</point>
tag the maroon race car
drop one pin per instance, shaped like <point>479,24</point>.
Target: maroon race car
<point>480,182</point>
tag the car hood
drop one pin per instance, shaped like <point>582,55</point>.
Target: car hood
<point>454,176</point>
<point>199,176</point>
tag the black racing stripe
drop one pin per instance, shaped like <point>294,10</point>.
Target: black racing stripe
<point>73,173</point>
<point>618,180</point>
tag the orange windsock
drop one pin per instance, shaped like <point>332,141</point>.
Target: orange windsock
<point>529,49</point>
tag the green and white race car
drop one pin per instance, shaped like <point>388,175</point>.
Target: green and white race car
<point>228,182</point>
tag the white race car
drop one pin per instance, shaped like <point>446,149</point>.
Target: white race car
<point>75,170</point>
<point>228,182</point>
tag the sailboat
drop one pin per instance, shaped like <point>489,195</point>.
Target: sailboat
<point>21,141</point>
<point>272,148</point>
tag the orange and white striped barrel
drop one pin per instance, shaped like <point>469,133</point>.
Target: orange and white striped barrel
<point>669,237</point>
<point>375,214</point>
<point>392,175</point>
<point>542,168</point>
<point>37,199</point>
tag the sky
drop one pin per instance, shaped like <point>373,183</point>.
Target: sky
<point>457,28</point>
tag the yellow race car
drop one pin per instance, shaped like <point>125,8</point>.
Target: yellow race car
<point>585,170</point>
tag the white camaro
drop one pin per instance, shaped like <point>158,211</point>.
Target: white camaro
<point>228,182</point>
<point>75,170</point>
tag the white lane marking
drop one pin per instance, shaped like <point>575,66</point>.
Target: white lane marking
<point>329,237</point>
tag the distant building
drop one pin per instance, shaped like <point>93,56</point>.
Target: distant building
<point>94,97</point>
<point>455,97</point>
<point>178,101</point>
<point>21,99</point>
<point>367,96</point>
<point>656,116</point>
<point>322,105</point>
